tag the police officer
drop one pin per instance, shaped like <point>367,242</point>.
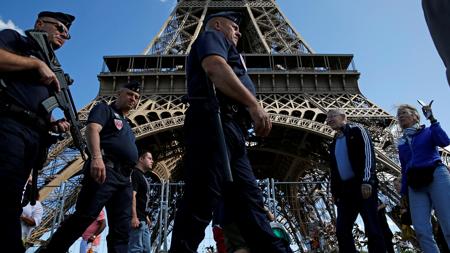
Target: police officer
<point>25,81</point>
<point>215,59</point>
<point>437,15</point>
<point>113,154</point>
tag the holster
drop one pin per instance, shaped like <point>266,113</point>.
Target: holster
<point>117,164</point>
<point>228,111</point>
<point>241,116</point>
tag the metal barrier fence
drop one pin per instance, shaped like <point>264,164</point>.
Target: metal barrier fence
<point>304,209</point>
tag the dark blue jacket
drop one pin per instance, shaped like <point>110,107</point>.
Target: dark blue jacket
<point>422,152</point>
<point>361,155</point>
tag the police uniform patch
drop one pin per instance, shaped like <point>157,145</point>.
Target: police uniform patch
<point>118,123</point>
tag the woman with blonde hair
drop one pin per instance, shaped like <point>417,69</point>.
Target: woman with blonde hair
<point>425,179</point>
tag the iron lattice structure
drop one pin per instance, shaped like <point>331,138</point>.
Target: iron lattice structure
<point>294,84</point>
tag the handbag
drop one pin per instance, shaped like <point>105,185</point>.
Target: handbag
<point>420,177</point>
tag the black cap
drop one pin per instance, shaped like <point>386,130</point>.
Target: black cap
<point>236,17</point>
<point>134,86</point>
<point>64,18</point>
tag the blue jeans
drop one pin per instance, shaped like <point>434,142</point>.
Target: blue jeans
<point>421,201</point>
<point>140,239</point>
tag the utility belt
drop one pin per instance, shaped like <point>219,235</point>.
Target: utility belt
<point>228,112</point>
<point>241,116</point>
<point>22,115</point>
<point>116,164</point>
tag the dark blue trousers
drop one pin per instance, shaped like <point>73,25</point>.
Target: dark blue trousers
<point>349,205</point>
<point>205,186</point>
<point>18,145</point>
<point>115,195</point>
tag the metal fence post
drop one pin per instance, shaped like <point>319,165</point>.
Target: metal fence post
<point>272,191</point>
<point>166,214</point>
<point>57,218</point>
<point>161,213</point>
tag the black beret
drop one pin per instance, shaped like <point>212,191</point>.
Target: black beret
<point>236,17</point>
<point>134,86</point>
<point>64,18</point>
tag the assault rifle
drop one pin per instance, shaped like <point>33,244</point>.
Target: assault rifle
<point>60,99</point>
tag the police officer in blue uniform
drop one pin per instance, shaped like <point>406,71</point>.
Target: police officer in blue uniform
<point>437,15</point>
<point>215,59</point>
<point>25,81</point>
<point>113,154</point>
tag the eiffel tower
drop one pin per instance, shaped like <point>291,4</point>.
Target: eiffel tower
<point>294,84</point>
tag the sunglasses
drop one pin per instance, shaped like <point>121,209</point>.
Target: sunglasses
<point>60,28</point>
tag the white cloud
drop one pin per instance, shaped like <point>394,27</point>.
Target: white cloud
<point>10,25</point>
<point>165,1</point>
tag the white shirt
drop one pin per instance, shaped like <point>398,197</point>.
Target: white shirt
<point>35,212</point>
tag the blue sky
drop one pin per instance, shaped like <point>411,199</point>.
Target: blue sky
<point>392,47</point>
<point>389,39</point>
